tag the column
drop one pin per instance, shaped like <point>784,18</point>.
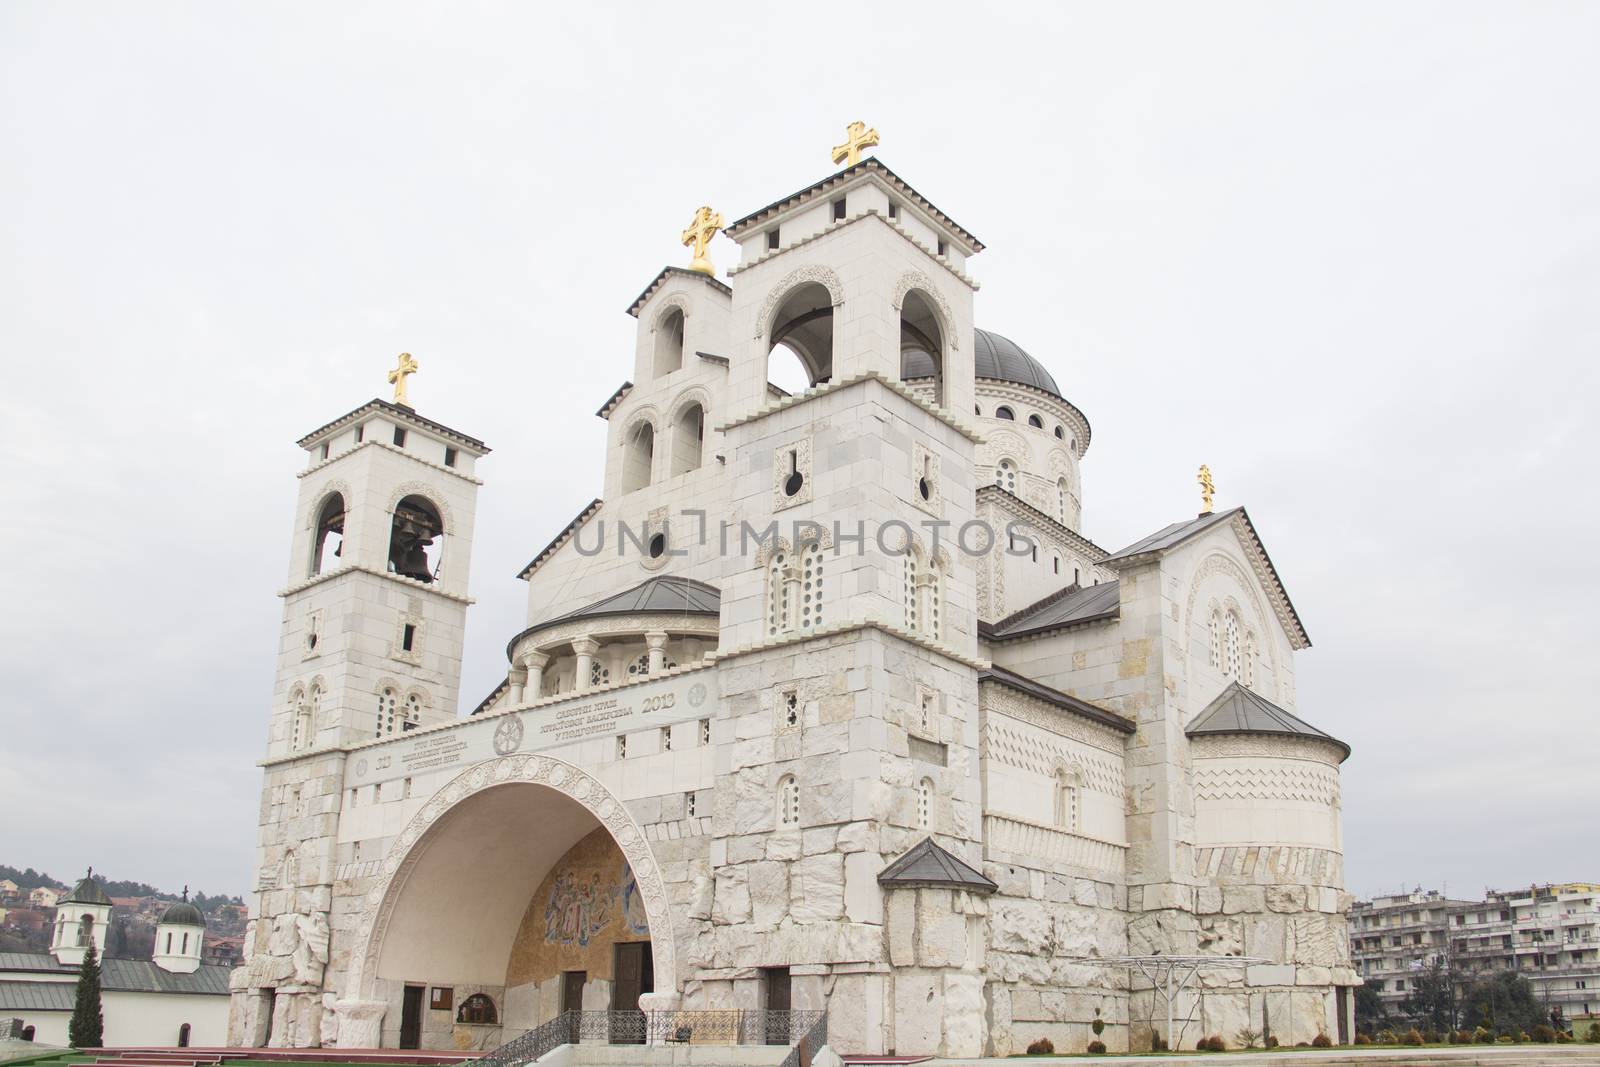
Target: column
<point>535,663</point>
<point>585,647</point>
<point>517,678</point>
<point>657,640</point>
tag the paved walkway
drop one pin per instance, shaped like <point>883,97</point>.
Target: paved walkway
<point>1530,1055</point>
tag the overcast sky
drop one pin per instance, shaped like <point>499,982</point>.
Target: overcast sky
<point>1347,254</point>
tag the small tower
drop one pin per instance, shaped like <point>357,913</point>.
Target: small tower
<point>81,919</point>
<point>375,609</point>
<point>179,932</point>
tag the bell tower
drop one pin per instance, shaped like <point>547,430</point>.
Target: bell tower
<point>374,611</point>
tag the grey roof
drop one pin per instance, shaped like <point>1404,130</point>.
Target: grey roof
<point>1064,701</point>
<point>1238,710</point>
<point>1071,606</point>
<point>401,413</point>
<point>993,356</point>
<point>120,976</point>
<point>668,272</point>
<point>182,913</point>
<point>661,595</point>
<point>37,996</point>
<point>927,864</point>
<point>561,538</point>
<point>87,891</point>
<point>1173,535</point>
<point>1179,532</point>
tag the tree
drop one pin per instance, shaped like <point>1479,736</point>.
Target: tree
<point>1503,1003</point>
<point>1371,1015</point>
<point>1432,1000</point>
<point>87,1028</point>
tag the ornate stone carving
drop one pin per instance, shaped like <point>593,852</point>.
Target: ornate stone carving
<point>823,276</point>
<point>923,284</point>
<point>426,491</point>
<point>1218,564</point>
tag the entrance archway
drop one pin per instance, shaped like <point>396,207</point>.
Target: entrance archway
<point>461,903</point>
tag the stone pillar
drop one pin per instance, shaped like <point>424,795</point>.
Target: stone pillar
<point>518,679</point>
<point>585,647</point>
<point>535,663</point>
<point>360,1023</point>
<point>657,640</point>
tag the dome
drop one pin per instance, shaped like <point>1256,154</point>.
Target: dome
<point>995,357</point>
<point>182,913</point>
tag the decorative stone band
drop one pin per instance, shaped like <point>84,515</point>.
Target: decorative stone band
<point>1270,865</point>
<point>1028,844</point>
<point>950,418</point>
<point>373,443</point>
<point>797,637</point>
<point>409,583</point>
<point>547,771</point>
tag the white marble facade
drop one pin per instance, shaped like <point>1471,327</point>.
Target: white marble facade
<point>764,724</point>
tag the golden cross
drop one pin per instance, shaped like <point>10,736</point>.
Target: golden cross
<point>397,377</point>
<point>1207,489</point>
<point>856,137</point>
<point>701,230</point>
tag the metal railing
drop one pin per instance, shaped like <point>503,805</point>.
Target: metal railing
<point>805,1030</point>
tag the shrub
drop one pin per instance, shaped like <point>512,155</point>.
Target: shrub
<point>1099,1024</point>
<point>1217,1044</point>
<point>1463,1037</point>
<point>1272,1042</point>
<point>1322,1040</point>
<point>1430,1036</point>
<point>1361,1039</point>
<point>1412,1037</point>
<point>1543,1034</point>
<point>1042,1047</point>
<point>1302,1044</point>
<point>1520,1037</point>
<point>1386,1037</point>
<point>1563,1037</point>
<point>1097,1047</point>
<point>1247,1037</point>
<point>1483,1035</point>
<point>1157,1043</point>
<point>1503,1039</point>
<point>1592,1035</point>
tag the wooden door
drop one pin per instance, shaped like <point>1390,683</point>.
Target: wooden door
<point>633,975</point>
<point>572,983</point>
<point>411,1017</point>
<point>778,1000</point>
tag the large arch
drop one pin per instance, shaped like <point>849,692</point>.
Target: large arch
<point>506,822</point>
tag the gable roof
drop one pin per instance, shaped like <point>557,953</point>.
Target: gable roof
<point>561,538</point>
<point>926,864</point>
<point>661,279</point>
<point>1073,606</point>
<point>117,975</point>
<point>399,413</point>
<point>87,891</point>
<point>1064,701</point>
<point>1238,710</point>
<point>869,164</point>
<point>1169,537</point>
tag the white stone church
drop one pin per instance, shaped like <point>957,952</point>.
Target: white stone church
<point>826,701</point>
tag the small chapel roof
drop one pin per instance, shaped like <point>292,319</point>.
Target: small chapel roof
<point>1170,537</point>
<point>868,165</point>
<point>400,413</point>
<point>1073,606</point>
<point>928,865</point>
<point>1238,710</point>
<point>87,891</point>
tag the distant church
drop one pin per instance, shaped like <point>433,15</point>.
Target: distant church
<point>826,702</point>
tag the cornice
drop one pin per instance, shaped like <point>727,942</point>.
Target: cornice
<point>944,415</point>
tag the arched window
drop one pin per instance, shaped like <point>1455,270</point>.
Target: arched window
<point>688,439</point>
<point>669,343</point>
<point>1005,476</point>
<point>640,667</point>
<point>1231,664</point>
<point>1062,497</point>
<point>413,712</point>
<point>810,586</point>
<point>416,540</point>
<point>1003,412</point>
<point>183,1036</point>
<point>921,343</point>
<point>477,1008</point>
<point>1214,638</point>
<point>800,344</point>
<point>1061,434</point>
<point>925,804</point>
<point>313,712</point>
<point>300,729</point>
<point>1036,422</point>
<point>1249,678</point>
<point>328,542</point>
<point>910,593</point>
<point>85,931</point>
<point>185,949</point>
<point>638,456</point>
<point>388,699</point>
<point>168,950</point>
<point>1067,799</point>
<point>788,801</point>
<point>778,594</point>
